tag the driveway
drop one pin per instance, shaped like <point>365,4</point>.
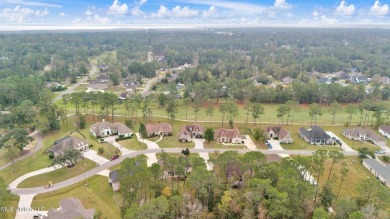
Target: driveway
<point>344,145</point>
<point>111,140</point>
<point>92,155</point>
<point>25,211</point>
<point>205,156</point>
<point>249,143</point>
<point>152,158</point>
<point>276,147</point>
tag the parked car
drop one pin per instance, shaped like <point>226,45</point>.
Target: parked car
<point>337,141</point>
<point>381,151</point>
<point>269,145</point>
<point>114,157</point>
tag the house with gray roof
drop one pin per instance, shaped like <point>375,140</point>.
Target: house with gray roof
<point>102,78</point>
<point>316,135</point>
<point>70,208</point>
<point>385,130</point>
<point>113,180</point>
<point>97,87</point>
<point>361,134</point>
<point>379,169</point>
<point>277,132</point>
<point>104,129</point>
<point>69,143</point>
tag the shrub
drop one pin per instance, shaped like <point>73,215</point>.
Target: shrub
<point>386,158</point>
<point>101,150</point>
<point>51,156</point>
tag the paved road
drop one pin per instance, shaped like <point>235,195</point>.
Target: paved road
<point>36,135</point>
<point>148,85</point>
<point>89,173</point>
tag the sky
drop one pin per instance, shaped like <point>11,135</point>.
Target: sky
<point>48,14</point>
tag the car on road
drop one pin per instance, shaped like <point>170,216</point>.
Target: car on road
<point>381,151</point>
<point>114,157</point>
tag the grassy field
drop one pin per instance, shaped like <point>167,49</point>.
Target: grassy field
<point>270,115</point>
<point>357,173</point>
<point>97,195</point>
<point>14,204</point>
<point>214,145</point>
<point>58,175</point>
<point>133,144</point>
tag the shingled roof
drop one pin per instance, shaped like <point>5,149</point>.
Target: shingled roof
<point>281,132</point>
<point>355,132</point>
<point>164,127</point>
<point>314,133</point>
<point>232,133</point>
<point>70,208</point>
<point>189,128</point>
<point>66,143</point>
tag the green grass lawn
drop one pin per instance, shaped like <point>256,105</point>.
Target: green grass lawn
<point>58,175</point>
<point>97,195</point>
<point>133,144</point>
<point>14,204</point>
<point>172,142</point>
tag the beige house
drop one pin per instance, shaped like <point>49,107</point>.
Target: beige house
<point>158,129</point>
<point>188,132</point>
<point>361,134</point>
<point>223,135</point>
<point>277,132</point>
<point>104,129</point>
<point>68,143</point>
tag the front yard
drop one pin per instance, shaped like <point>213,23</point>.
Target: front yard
<point>133,144</point>
<point>58,175</point>
<point>172,142</point>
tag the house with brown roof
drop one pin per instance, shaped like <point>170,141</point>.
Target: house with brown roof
<point>69,143</point>
<point>316,135</point>
<point>277,132</point>
<point>223,135</point>
<point>158,129</point>
<point>104,129</point>
<point>385,130</point>
<point>361,134</point>
<point>70,208</point>
<point>188,132</point>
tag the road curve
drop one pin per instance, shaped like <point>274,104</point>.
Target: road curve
<point>89,173</point>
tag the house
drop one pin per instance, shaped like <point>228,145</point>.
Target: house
<point>379,169</point>
<point>277,132</point>
<point>129,84</point>
<point>67,143</point>
<point>384,80</point>
<point>70,208</point>
<point>113,180</point>
<point>188,132</point>
<point>159,129</point>
<point>223,135</point>
<point>104,129</point>
<point>315,135</point>
<point>359,80</point>
<point>97,87</point>
<point>287,80</point>
<point>324,81</point>
<point>102,78</point>
<point>124,95</point>
<point>103,68</point>
<point>52,84</point>
<point>385,130</point>
<point>361,134</point>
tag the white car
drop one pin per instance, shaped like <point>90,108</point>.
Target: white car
<point>381,151</point>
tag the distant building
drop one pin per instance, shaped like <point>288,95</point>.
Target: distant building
<point>68,143</point>
<point>315,135</point>
<point>103,68</point>
<point>103,78</point>
<point>277,132</point>
<point>223,135</point>
<point>97,87</point>
<point>384,80</point>
<point>287,80</point>
<point>385,130</point>
<point>359,80</point>
<point>158,129</point>
<point>379,169</point>
<point>70,208</point>
<point>361,134</point>
<point>324,80</point>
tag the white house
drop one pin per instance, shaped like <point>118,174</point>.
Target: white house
<point>104,129</point>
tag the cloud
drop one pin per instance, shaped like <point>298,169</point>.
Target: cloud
<point>326,20</point>
<point>379,10</point>
<point>100,20</point>
<point>315,13</point>
<point>33,4</point>
<point>345,9</point>
<point>117,8</point>
<point>176,12</point>
<point>62,14</point>
<point>136,10</point>
<point>211,12</point>
<point>20,15</point>
<point>88,12</point>
<point>241,7</point>
<point>281,4</point>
